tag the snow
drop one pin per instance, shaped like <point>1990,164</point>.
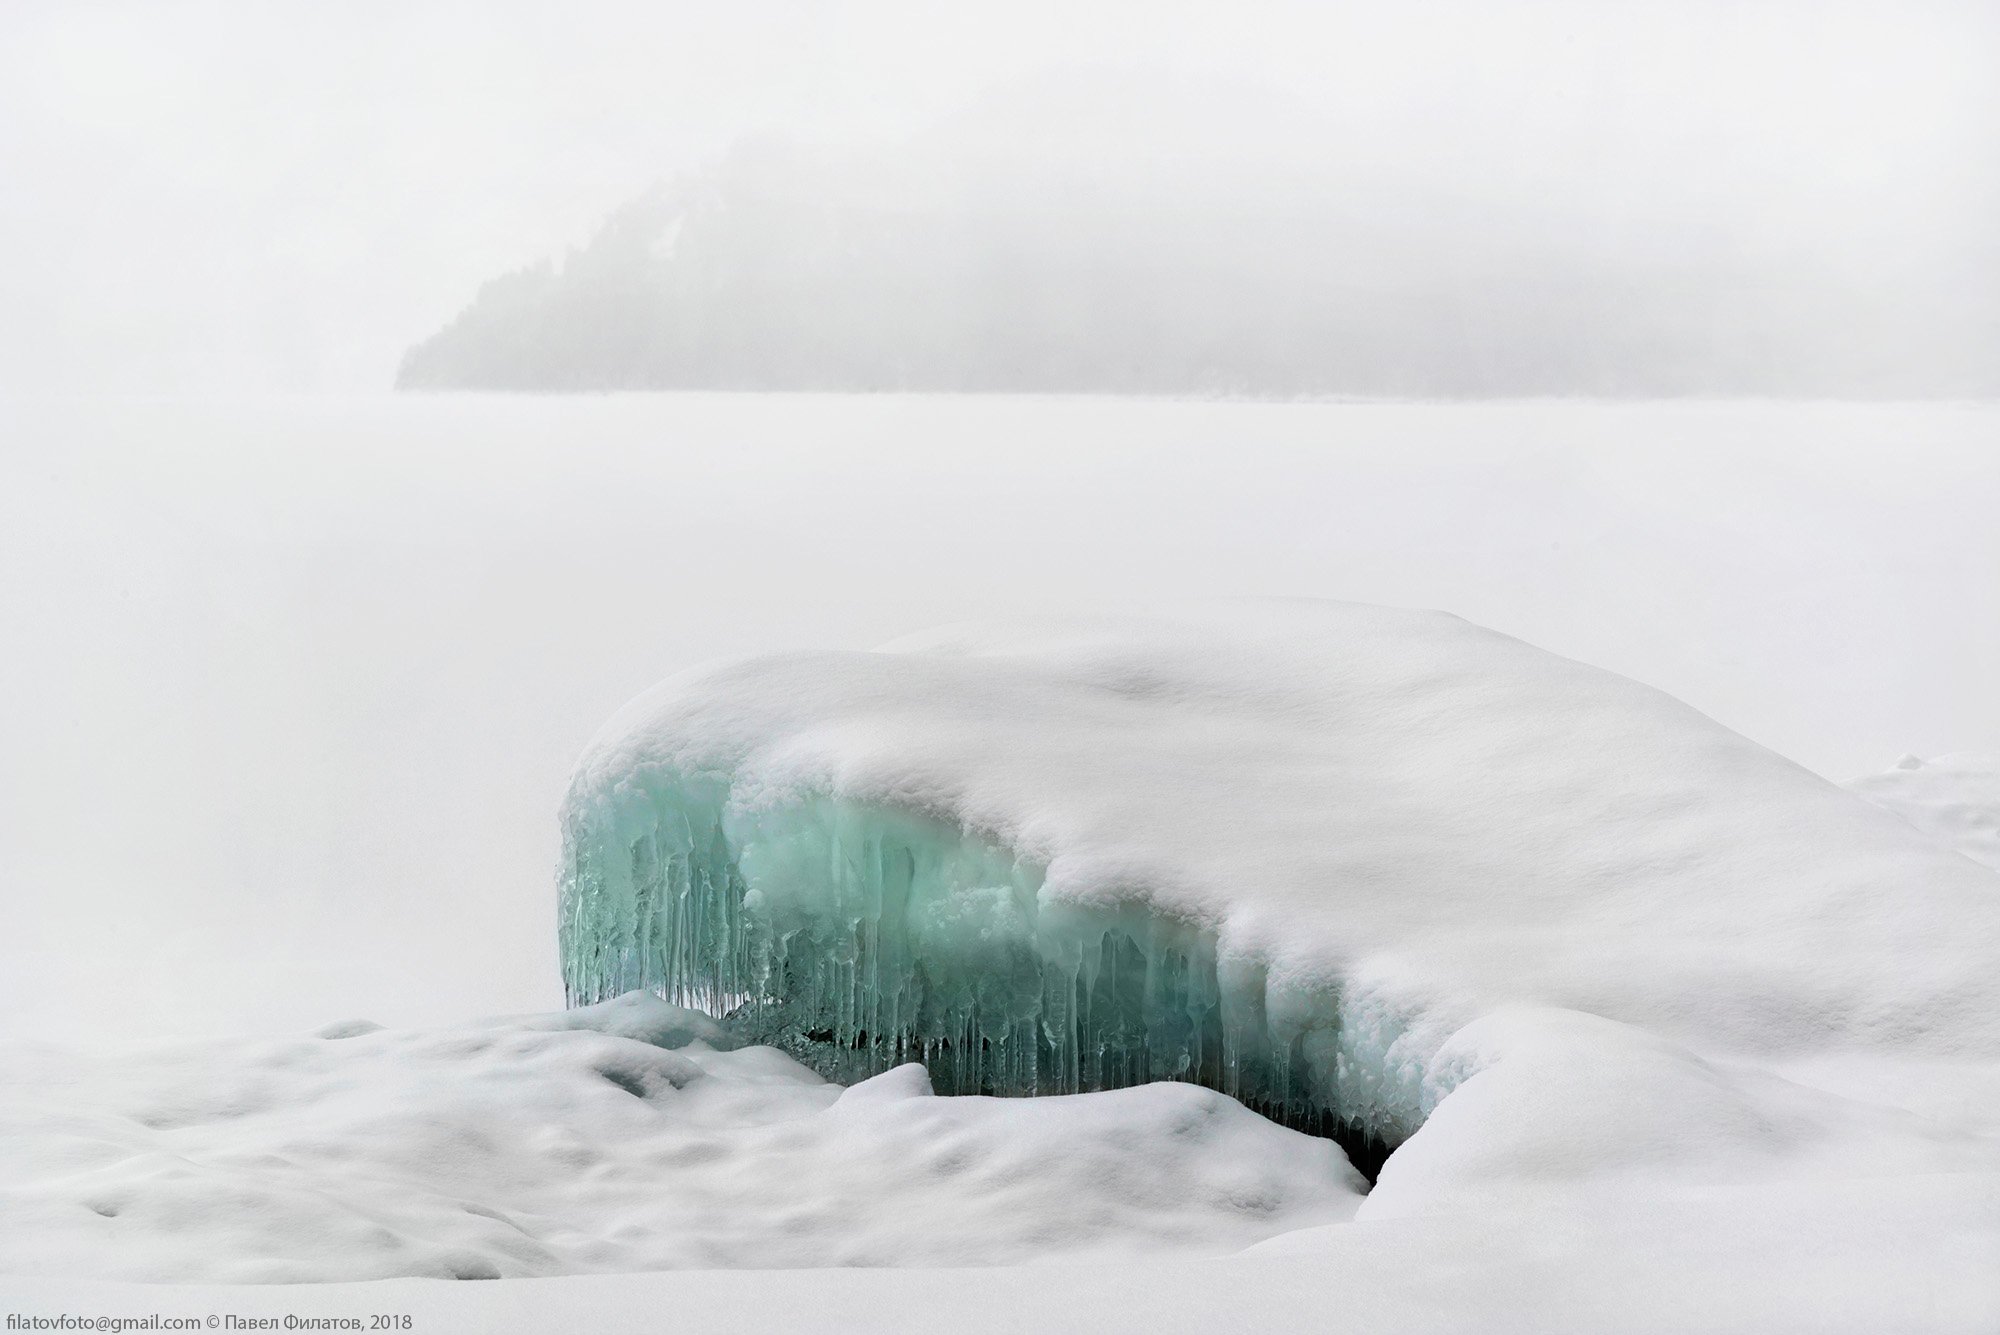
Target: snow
<point>1332,836</point>
<point>1856,1257</point>
<point>514,1147</point>
<point>620,1137</point>
<point>1581,953</point>
<point>1673,1034</point>
<point>1955,799</point>
<point>329,794</point>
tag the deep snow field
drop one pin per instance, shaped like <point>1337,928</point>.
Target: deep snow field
<point>1955,799</point>
<point>620,1137</point>
<point>1675,1033</point>
<point>563,1143</point>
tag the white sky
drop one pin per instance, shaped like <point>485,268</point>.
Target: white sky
<point>285,195</point>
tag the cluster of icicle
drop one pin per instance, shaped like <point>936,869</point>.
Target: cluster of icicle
<point>860,936</point>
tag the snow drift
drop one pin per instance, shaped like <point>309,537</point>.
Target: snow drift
<point>1954,799</point>
<point>625,1137</point>
<point>1292,851</point>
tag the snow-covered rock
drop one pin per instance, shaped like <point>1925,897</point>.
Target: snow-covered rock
<point>1292,850</point>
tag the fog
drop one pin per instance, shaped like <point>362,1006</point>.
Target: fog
<point>1654,198</point>
<point>292,670</point>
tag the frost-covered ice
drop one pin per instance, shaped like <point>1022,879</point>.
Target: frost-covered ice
<point>1954,799</point>
<point>1340,860</point>
<point>580,1143</point>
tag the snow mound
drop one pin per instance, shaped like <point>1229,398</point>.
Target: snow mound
<point>568,1144</point>
<point>1954,799</point>
<point>1288,850</point>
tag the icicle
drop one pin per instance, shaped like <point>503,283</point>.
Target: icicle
<point>861,937</point>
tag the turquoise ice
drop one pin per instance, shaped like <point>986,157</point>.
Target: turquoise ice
<point>858,936</point>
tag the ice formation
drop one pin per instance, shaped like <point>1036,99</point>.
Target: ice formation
<point>1285,850</point>
<point>859,937</point>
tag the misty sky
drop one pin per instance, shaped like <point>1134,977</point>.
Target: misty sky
<point>277,196</point>
<point>291,683</point>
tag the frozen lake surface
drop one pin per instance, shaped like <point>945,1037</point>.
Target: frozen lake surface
<point>293,686</point>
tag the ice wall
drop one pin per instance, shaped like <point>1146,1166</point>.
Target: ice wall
<point>858,936</point>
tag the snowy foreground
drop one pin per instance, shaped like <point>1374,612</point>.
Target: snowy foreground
<point>1954,799</point>
<point>1668,1034</point>
<point>573,1142</point>
<point>614,1138</point>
